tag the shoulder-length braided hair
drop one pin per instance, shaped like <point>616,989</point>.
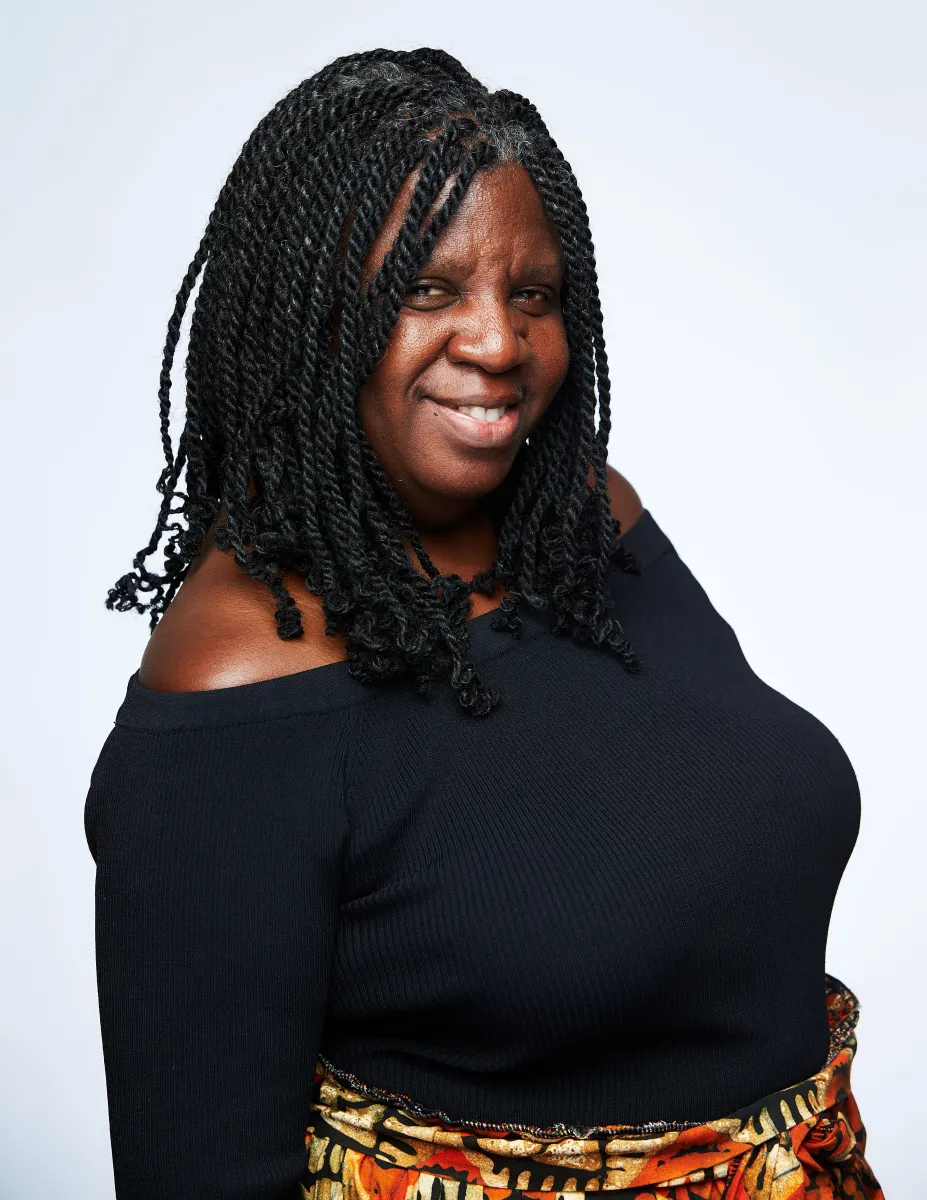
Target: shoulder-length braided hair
<point>270,398</point>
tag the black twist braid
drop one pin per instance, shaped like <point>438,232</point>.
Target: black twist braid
<point>284,335</point>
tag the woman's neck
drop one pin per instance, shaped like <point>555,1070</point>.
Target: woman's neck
<point>467,546</point>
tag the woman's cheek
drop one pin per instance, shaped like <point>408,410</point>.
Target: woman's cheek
<point>555,356</point>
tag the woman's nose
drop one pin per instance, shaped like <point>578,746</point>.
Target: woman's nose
<point>492,336</point>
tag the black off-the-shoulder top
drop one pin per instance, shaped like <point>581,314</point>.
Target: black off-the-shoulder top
<point>607,902</point>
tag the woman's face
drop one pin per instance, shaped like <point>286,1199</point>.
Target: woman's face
<point>478,352</point>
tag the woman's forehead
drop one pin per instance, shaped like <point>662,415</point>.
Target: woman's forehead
<point>501,213</point>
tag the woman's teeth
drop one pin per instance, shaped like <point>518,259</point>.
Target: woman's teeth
<point>482,414</point>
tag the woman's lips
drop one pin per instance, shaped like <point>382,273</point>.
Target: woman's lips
<point>470,431</point>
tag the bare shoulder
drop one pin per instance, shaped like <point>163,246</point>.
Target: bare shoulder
<point>219,631</point>
<point>626,504</point>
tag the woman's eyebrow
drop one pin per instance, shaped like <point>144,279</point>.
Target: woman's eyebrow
<point>540,272</point>
<point>534,272</point>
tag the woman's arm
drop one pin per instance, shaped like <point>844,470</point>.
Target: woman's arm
<point>216,846</point>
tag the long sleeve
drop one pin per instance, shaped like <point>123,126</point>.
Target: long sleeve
<point>217,848</point>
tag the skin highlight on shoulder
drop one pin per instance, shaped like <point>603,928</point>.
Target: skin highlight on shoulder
<point>219,632</point>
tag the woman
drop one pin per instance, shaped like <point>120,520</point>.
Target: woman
<point>351,938</point>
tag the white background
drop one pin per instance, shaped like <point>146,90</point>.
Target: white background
<point>757,180</point>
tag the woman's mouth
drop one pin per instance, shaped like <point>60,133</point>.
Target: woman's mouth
<point>482,414</point>
<point>478,425</point>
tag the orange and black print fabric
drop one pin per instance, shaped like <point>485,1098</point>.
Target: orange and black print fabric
<point>806,1142</point>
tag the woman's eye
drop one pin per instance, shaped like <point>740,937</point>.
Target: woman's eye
<point>425,294</point>
<point>534,298</point>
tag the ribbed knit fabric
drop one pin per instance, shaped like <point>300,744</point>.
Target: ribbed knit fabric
<point>606,902</point>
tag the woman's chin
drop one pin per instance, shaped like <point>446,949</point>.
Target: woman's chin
<point>466,480</point>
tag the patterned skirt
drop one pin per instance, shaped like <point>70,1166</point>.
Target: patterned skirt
<point>806,1142</point>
